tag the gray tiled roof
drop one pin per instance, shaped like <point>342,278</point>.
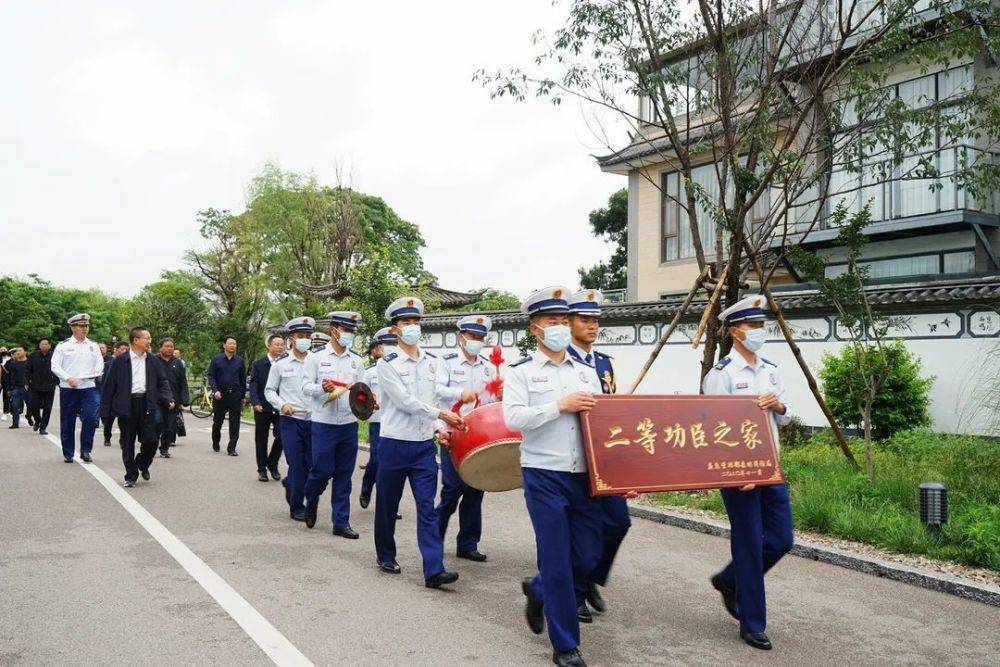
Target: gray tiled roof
<point>972,291</point>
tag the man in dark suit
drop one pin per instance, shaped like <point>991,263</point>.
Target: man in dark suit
<point>134,389</point>
<point>227,380</point>
<point>176,375</point>
<point>42,383</point>
<point>109,421</point>
<point>265,417</point>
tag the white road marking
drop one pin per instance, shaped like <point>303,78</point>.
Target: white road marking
<point>259,629</point>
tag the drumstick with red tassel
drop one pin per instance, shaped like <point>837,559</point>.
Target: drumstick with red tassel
<point>495,386</point>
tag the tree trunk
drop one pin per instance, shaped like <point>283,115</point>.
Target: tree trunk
<point>869,462</point>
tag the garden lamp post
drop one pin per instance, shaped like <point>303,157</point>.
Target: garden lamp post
<point>933,505</point>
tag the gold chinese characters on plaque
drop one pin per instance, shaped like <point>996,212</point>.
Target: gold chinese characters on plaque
<point>678,443</point>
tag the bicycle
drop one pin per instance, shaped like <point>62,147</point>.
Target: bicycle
<point>201,405</point>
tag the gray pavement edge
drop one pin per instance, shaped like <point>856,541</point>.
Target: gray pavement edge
<point>935,581</point>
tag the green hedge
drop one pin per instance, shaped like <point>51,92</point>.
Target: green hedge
<point>828,497</point>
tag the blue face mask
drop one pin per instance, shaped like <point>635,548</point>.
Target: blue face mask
<point>473,347</point>
<point>303,344</point>
<point>557,337</point>
<point>410,334</point>
<point>346,338</point>
<point>754,339</point>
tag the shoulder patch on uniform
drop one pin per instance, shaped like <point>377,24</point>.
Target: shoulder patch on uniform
<point>282,357</point>
<point>602,354</point>
<point>432,356</point>
<point>451,355</point>
<point>390,356</point>
<point>768,361</point>
<point>520,361</point>
<point>356,354</point>
<point>723,362</point>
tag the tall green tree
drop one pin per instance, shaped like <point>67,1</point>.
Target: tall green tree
<point>35,308</point>
<point>611,224</point>
<point>174,307</point>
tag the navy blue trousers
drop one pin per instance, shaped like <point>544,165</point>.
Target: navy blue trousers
<point>615,524</point>
<point>456,494</point>
<point>296,439</point>
<point>334,455</point>
<point>368,481</point>
<point>567,523</point>
<point>16,405</point>
<point>761,522</point>
<point>82,403</point>
<point>399,461</point>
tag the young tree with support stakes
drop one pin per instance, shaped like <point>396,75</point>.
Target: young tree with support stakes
<point>765,111</point>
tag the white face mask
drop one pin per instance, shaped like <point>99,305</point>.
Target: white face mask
<point>557,337</point>
<point>473,347</point>
<point>754,339</point>
<point>410,334</point>
<point>346,338</point>
<point>303,344</point>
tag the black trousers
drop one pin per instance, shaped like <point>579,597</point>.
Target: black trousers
<point>108,423</point>
<point>6,402</point>
<point>230,404</point>
<point>166,427</point>
<point>266,424</point>
<point>139,425</point>
<point>40,406</point>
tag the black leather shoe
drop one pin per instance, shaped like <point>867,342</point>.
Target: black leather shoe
<point>13,426</point>
<point>107,443</point>
<point>297,515</point>
<point>390,566</point>
<point>583,613</point>
<point>233,453</point>
<point>595,599</point>
<point>347,532</point>
<point>473,555</point>
<point>533,612</point>
<point>756,639</point>
<point>43,432</point>
<point>145,474</point>
<point>262,476</point>
<point>728,596</point>
<point>215,448</point>
<point>311,508</point>
<point>68,459</point>
<point>128,484</point>
<point>165,454</point>
<point>34,427</point>
<point>275,475</point>
<point>442,578</point>
<point>30,420</point>
<point>569,659</point>
<point>364,501</point>
<point>86,458</point>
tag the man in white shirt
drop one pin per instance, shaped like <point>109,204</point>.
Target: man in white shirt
<point>543,394</point>
<point>406,378</point>
<point>77,362</point>
<point>284,392</point>
<point>384,338</point>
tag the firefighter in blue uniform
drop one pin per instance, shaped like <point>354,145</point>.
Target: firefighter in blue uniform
<point>406,378</point>
<point>760,516</point>
<point>585,310</point>
<point>284,392</point>
<point>543,394</point>
<point>383,339</point>
<point>461,378</point>
<point>334,368</point>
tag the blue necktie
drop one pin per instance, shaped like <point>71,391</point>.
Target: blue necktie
<point>589,359</point>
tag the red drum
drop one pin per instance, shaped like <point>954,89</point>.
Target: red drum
<point>487,454</point>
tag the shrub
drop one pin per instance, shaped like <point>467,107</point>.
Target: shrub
<point>901,401</point>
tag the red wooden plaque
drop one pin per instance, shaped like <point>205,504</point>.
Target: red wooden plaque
<point>678,443</point>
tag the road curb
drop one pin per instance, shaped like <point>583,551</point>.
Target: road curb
<point>934,581</point>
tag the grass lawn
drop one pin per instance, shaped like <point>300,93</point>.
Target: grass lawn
<point>828,497</point>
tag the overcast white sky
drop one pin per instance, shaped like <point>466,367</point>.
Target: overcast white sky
<point>120,120</point>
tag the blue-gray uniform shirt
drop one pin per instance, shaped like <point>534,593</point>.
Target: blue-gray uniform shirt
<point>409,409</point>
<point>326,364</point>
<point>455,374</point>
<point>371,379</point>
<point>533,386</point>
<point>284,386</point>
<point>734,376</point>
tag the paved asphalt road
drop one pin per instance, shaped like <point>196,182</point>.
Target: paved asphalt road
<point>82,582</point>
